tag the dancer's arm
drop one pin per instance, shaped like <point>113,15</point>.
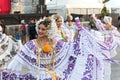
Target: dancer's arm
<point>2,69</point>
<point>76,34</point>
<point>99,25</point>
<point>79,27</point>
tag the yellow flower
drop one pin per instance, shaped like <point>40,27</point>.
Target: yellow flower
<point>46,48</point>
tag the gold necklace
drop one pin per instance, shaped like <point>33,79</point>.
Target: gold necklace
<point>51,65</point>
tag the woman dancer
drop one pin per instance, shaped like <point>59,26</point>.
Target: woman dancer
<point>42,59</point>
<point>110,36</point>
<point>109,33</point>
<point>70,25</point>
<point>61,30</point>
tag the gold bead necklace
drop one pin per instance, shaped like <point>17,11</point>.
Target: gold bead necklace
<point>48,61</point>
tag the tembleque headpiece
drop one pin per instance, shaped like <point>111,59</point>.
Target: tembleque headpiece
<point>50,24</point>
<point>46,21</point>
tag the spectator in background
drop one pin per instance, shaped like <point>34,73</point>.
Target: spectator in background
<point>23,31</point>
<point>82,18</point>
<point>118,26</point>
<point>17,34</point>
<point>91,22</point>
<point>31,29</point>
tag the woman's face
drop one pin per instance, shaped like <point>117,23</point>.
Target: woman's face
<point>42,30</point>
<point>59,22</point>
<point>68,19</point>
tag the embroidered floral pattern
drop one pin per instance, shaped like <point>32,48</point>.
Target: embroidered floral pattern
<point>33,60</point>
<point>88,74</point>
<point>77,46</point>
<point>31,46</point>
<point>28,58</point>
<point>14,76</point>
<point>59,45</point>
<point>70,67</point>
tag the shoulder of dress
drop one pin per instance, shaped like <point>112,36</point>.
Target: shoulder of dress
<point>30,42</point>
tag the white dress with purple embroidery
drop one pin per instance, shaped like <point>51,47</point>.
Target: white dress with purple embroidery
<point>112,39</point>
<point>74,61</point>
<point>8,49</point>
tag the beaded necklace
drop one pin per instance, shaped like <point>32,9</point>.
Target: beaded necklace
<point>46,55</point>
<point>61,33</point>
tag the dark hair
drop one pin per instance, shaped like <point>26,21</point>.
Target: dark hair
<point>46,22</point>
<point>118,17</point>
<point>90,15</point>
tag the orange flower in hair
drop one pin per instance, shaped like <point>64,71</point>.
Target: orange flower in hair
<point>47,48</point>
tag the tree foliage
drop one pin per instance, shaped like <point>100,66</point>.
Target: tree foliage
<point>104,11</point>
<point>105,1</point>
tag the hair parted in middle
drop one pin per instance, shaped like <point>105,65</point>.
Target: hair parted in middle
<point>46,22</point>
<point>69,16</point>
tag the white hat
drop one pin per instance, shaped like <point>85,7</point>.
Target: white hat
<point>23,21</point>
<point>107,19</point>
